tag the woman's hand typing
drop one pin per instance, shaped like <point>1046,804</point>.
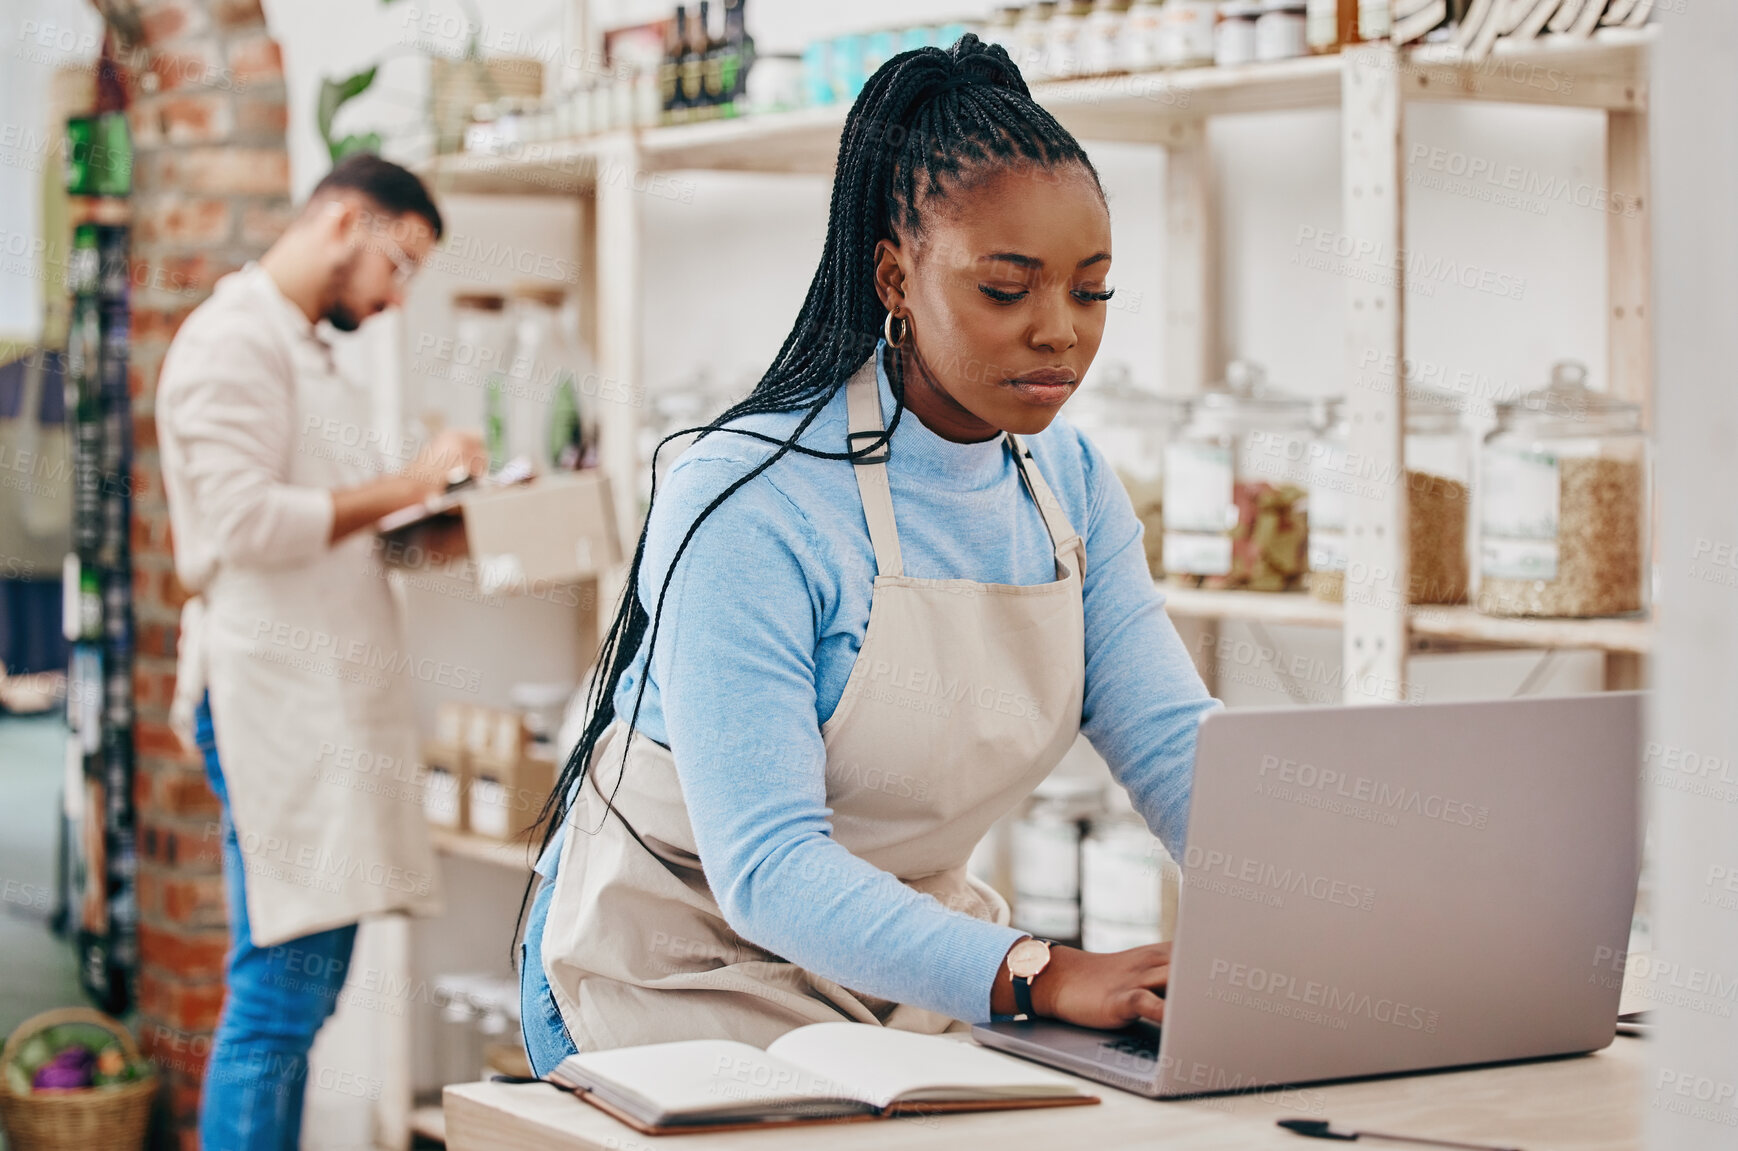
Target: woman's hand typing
<point>1105,990</point>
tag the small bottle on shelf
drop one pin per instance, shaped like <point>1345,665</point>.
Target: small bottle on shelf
<point>696,63</point>
<point>1330,25</point>
<point>736,58</point>
<point>688,69</point>
<point>670,65</point>
<point>711,64</point>
<point>1375,19</point>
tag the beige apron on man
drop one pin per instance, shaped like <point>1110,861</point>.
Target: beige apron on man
<point>636,948</point>
<point>305,659</point>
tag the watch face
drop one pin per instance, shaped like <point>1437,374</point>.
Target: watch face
<point>1028,958</point>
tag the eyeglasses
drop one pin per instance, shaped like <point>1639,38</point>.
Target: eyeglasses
<point>403,267</point>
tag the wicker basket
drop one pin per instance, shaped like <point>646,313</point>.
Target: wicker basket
<point>111,1118</point>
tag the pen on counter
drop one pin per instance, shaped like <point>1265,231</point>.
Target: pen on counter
<point>1322,1129</point>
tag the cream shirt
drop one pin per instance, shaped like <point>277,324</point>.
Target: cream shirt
<point>298,641</point>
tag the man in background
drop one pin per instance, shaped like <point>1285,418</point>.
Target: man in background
<point>292,656</point>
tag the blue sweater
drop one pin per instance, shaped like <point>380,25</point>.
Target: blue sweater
<point>764,618</point>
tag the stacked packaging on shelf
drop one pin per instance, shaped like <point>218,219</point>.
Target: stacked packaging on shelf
<point>98,581</point>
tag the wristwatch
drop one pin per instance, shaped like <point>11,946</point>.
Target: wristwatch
<point>1025,960</point>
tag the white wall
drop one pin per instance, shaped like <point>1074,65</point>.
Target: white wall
<point>37,39</point>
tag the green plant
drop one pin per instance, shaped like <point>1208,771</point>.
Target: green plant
<point>334,94</point>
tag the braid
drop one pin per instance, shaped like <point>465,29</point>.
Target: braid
<point>927,121</point>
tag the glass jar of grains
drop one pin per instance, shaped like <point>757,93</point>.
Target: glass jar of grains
<point>1131,426</point>
<point>1235,487</point>
<point>1563,504</point>
<point>1438,474</point>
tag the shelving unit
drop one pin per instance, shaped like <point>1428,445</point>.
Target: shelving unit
<point>517,857</point>
<point>1372,86</point>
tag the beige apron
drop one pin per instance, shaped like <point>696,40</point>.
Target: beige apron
<point>962,698</point>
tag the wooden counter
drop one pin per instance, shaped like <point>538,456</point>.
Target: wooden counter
<point>1586,1103</point>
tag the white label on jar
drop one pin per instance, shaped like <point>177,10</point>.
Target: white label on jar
<point>1327,549</point>
<point>1186,31</point>
<point>1122,878</point>
<point>1046,859</point>
<point>1323,18</point>
<point>1138,48</point>
<point>1197,555</point>
<point>1053,918</point>
<point>1518,515</point>
<point>1097,935</point>
<point>440,797</point>
<point>1198,488</point>
<point>489,808</point>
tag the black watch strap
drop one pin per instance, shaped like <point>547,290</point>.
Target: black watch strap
<point>1023,996</point>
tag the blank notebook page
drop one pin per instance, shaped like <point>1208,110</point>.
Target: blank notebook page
<point>699,1075</point>
<point>882,1065</point>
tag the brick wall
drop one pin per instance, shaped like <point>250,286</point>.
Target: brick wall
<point>210,191</point>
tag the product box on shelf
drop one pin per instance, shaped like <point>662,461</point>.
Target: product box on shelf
<point>524,538</point>
<point>507,793</point>
<point>484,775</point>
<point>445,780</point>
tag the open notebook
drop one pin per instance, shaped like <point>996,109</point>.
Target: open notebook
<point>825,1071</point>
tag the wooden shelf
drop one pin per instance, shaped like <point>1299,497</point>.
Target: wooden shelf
<point>465,845</point>
<point>1462,624</point>
<point>1283,609</point>
<point>430,1122</point>
<point>1607,72</point>
<point>1469,626</point>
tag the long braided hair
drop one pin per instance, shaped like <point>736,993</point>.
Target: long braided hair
<point>928,120</point>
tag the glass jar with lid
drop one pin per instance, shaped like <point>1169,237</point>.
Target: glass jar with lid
<point>1128,882</point>
<point>1438,478</point>
<point>1067,39</point>
<point>1330,25</point>
<point>1138,46</point>
<point>1563,503</point>
<point>1001,28</point>
<point>1186,32</point>
<point>1046,856</point>
<point>544,406</point>
<point>1235,485</point>
<point>1234,35</point>
<point>1101,43</point>
<point>477,353</point>
<point>1032,35</point>
<point>1131,426</point>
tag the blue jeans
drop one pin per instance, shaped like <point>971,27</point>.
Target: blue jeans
<point>278,998</point>
<point>546,1038</point>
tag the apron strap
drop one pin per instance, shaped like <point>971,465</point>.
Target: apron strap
<point>1068,544</point>
<point>863,399</point>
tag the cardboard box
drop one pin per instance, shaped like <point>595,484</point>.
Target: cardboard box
<point>443,757</point>
<point>559,528</point>
<point>507,794</point>
<point>445,788</point>
<point>556,529</point>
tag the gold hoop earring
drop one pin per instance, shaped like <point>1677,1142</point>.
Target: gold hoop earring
<point>887,329</point>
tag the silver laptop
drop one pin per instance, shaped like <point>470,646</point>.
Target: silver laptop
<point>1374,890</point>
